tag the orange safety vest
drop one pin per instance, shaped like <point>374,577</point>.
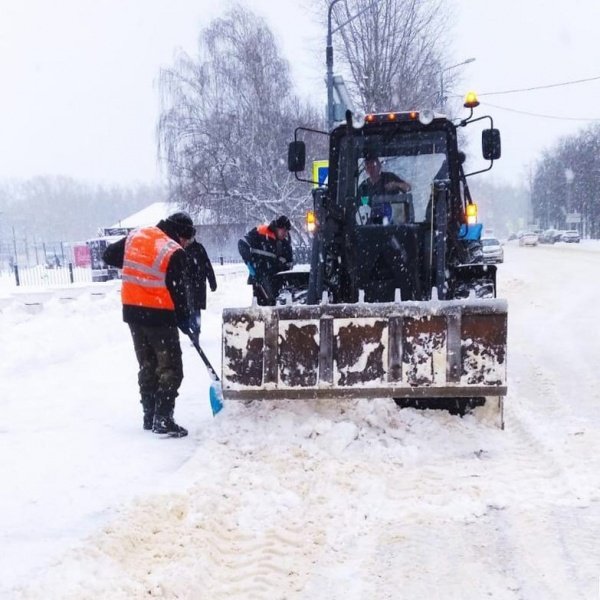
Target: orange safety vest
<point>264,230</point>
<point>147,254</point>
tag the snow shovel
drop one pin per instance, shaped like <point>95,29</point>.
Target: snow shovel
<point>216,391</point>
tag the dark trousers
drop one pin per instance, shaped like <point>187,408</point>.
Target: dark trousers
<point>160,366</point>
<point>264,291</point>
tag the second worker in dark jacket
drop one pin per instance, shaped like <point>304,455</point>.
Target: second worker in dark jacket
<point>267,250</point>
<point>199,269</point>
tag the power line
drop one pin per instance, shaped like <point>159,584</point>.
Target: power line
<point>540,115</point>
<point>541,87</point>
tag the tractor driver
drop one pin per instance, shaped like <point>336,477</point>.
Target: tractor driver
<point>378,183</point>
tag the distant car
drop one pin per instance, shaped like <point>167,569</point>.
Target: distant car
<point>529,238</point>
<point>492,251</point>
<point>571,237</point>
<point>550,236</point>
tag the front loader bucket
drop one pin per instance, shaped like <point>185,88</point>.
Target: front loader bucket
<point>434,349</point>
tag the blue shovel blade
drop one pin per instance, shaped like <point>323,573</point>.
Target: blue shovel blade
<point>216,397</point>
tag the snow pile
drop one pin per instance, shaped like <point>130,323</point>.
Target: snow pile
<point>283,487</point>
<point>306,499</point>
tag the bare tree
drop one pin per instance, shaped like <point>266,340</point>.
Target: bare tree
<point>394,51</point>
<point>62,208</point>
<point>566,181</point>
<point>227,116</point>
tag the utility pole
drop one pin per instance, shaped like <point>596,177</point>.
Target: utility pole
<point>329,61</point>
<point>329,57</point>
<point>569,176</point>
<point>15,244</point>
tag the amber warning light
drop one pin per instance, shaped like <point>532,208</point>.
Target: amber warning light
<point>471,214</point>
<point>471,100</point>
<point>311,221</point>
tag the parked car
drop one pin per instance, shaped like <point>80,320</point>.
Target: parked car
<point>571,237</point>
<point>492,250</point>
<point>529,238</point>
<point>550,236</point>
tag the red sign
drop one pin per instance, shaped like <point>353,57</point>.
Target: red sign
<point>81,256</point>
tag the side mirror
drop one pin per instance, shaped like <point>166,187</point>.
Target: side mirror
<point>490,144</point>
<point>296,157</point>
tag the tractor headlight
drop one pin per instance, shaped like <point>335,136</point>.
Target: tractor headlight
<point>358,119</point>
<point>426,116</point>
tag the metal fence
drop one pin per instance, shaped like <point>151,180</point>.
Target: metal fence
<point>44,276</point>
<point>56,275</point>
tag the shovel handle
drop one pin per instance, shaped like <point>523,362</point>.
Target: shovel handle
<point>205,360</point>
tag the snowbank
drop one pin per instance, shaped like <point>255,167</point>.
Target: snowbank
<point>321,500</point>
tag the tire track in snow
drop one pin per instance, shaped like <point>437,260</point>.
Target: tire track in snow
<point>275,517</point>
<point>545,425</point>
<point>207,531</point>
<point>509,547</point>
<point>554,552</point>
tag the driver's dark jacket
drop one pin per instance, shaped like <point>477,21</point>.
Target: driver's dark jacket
<point>268,255</point>
<point>368,188</point>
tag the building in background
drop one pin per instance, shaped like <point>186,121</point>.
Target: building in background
<point>219,239</point>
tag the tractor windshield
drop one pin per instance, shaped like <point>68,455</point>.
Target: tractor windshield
<point>390,175</point>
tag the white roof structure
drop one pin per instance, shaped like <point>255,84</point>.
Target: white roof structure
<point>152,214</point>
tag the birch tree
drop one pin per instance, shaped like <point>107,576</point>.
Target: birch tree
<point>227,117</point>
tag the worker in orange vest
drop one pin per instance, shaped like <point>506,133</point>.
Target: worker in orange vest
<point>267,250</point>
<point>155,304</point>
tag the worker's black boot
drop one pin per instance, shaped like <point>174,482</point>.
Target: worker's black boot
<point>148,402</point>
<point>148,420</point>
<point>163,417</point>
<point>166,425</point>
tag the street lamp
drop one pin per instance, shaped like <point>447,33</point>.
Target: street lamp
<point>442,97</point>
<point>329,60</point>
<point>329,56</point>
<point>569,177</point>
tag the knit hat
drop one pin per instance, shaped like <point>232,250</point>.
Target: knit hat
<point>184,226</point>
<point>281,222</point>
<point>371,154</point>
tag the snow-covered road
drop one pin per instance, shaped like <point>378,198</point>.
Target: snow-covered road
<point>319,500</point>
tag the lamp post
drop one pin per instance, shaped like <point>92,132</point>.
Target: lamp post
<point>569,176</point>
<point>460,64</point>
<point>329,56</point>
<point>329,60</point>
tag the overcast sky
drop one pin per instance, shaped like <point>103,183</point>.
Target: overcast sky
<point>79,94</point>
